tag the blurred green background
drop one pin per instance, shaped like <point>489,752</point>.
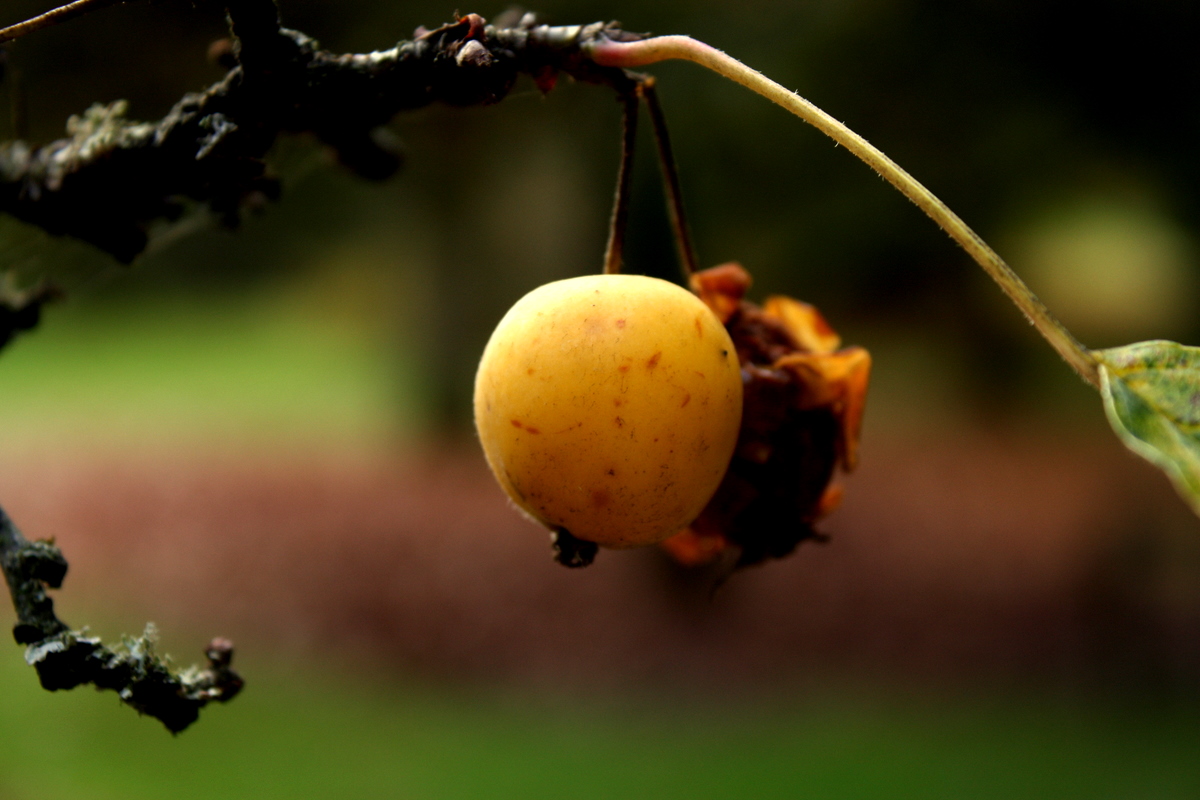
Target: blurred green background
<point>1010,604</point>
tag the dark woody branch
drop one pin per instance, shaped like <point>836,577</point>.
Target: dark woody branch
<point>65,658</point>
<point>112,178</point>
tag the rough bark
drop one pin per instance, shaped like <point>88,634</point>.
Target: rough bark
<point>112,178</point>
<point>66,658</point>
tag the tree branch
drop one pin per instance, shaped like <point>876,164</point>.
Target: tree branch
<point>112,178</point>
<point>65,658</point>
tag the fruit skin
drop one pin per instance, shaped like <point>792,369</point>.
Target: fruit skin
<point>609,405</point>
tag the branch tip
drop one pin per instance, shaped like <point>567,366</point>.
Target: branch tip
<point>65,659</point>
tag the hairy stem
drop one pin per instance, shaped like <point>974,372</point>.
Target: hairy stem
<point>629,55</point>
<point>53,17</point>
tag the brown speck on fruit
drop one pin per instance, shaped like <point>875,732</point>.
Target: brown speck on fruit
<point>617,402</point>
<point>620,422</point>
<point>623,368</point>
<point>699,328</point>
<point>529,371</point>
<point>516,423</point>
<point>532,430</point>
<point>601,498</point>
<point>612,472</point>
<point>653,361</point>
<point>620,323</point>
<point>687,398</point>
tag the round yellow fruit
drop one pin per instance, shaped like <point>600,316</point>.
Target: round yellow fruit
<point>609,405</point>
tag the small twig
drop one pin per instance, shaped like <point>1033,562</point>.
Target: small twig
<point>65,658</point>
<point>629,55</point>
<point>53,17</point>
<point>670,172</point>
<point>619,220</point>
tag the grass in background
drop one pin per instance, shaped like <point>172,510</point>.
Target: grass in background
<point>278,365</point>
<point>295,735</point>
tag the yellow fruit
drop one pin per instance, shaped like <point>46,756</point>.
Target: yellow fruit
<point>609,405</point>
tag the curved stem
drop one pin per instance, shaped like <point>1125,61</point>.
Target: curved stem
<point>53,17</point>
<point>648,51</point>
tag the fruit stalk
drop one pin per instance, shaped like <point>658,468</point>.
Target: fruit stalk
<point>628,55</point>
<point>666,159</point>
<point>615,247</point>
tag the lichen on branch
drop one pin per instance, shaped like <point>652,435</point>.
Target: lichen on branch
<point>111,179</point>
<point>66,658</point>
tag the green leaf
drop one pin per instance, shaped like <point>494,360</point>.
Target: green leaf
<point>1151,394</point>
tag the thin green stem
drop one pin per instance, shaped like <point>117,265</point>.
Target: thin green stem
<point>648,51</point>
